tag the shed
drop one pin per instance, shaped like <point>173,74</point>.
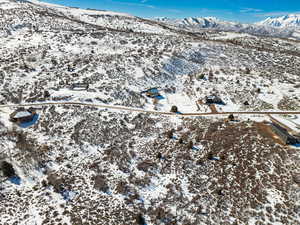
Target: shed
<point>79,86</point>
<point>214,99</point>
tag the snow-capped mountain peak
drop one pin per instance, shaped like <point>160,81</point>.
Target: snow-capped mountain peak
<point>291,20</point>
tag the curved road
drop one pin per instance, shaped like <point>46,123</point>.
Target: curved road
<point>149,111</point>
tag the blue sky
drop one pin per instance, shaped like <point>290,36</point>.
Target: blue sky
<point>234,10</point>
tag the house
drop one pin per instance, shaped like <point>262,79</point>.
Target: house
<point>79,86</point>
<point>284,135</point>
<point>213,99</point>
<point>152,93</point>
<point>22,115</point>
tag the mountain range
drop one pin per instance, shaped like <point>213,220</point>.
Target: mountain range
<point>285,26</point>
<point>288,21</point>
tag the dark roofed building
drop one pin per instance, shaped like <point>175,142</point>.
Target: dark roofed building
<point>214,99</point>
<point>22,115</point>
<point>79,86</point>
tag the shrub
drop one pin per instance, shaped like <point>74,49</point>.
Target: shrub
<point>231,117</point>
<point>8,170</point>
<point>31,59</point>
<point>54,62</point>
<point>159,155</point>
<point>174,109</point>
<point>210,156</point>
<point>47,94</point>
<point>100,183</point>
<point>200,77</point>
<point>247,71</point>
<point>140,220</point>
<point>180,141</point>
<point>190,145</point>
<point>170,133</point>
<point>57,182</point>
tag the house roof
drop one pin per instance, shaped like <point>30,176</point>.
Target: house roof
<point>22,114</point>
<point>80,84</point>
<point>153,90</point>
<point>212,97</point>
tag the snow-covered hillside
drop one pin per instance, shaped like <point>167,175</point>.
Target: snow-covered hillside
<point>201,22</point>
<point>86,165</point>
<point>43,16</point>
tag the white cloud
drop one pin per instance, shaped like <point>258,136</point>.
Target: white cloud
<point>270,14</point>
<point>174,11</point>
<point>141,4</point>
<point>250,10</point>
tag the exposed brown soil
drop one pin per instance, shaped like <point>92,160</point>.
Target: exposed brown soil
<point>265,131</point>
<point>213,108</point>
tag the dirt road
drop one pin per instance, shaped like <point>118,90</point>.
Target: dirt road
<point>124,108</point>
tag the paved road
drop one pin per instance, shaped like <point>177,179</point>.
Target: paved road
<point>124,108</point>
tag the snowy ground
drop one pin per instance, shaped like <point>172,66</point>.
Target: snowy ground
<point>87,165</point>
